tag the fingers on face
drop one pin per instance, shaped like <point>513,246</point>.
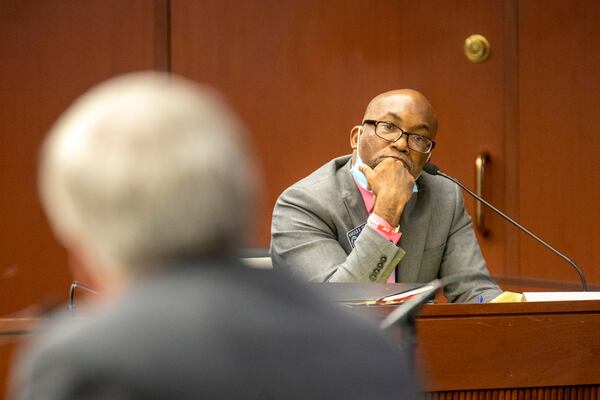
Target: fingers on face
<point>365,169</point>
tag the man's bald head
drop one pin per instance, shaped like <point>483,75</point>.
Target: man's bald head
<point>392,100</point>
<point>406,110</point>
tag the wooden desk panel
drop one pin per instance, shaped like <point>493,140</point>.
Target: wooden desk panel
<point>512,351</point>
<point>482,351</point>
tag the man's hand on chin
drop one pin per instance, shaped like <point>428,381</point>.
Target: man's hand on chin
<point>392,183</point>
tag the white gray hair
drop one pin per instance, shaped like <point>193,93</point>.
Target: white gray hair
<point>145,169</point>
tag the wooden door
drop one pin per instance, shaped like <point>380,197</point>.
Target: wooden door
<point>301,73</point>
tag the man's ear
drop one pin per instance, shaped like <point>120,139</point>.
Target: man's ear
<point>354,133</point>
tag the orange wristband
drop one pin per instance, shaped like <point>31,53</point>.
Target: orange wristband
<point>378,223</point>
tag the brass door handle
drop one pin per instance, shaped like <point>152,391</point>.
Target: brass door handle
<point>480,162</point>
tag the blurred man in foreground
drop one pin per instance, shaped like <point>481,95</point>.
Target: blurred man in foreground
<point>148,182</point>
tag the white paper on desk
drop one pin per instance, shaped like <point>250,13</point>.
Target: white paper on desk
<point>400,297</point>
<point>560,296</point>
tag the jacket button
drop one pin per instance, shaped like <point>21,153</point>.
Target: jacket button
<point>380,265</point>
<point>383,259</point>
<point>373,277</point>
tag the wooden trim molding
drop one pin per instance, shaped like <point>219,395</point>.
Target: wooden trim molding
<point>162,35</point>
<point>515,283</point>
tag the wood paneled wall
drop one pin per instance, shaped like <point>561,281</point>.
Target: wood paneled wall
<point>53,51</point>
<point>558,136</point>
<point>300,72</point>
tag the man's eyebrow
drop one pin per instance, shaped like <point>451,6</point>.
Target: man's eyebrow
<point>414,128</point>
<point>420,126</point>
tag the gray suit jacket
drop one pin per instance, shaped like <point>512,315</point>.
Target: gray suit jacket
<point>317,234</point>
<point>215,330</point>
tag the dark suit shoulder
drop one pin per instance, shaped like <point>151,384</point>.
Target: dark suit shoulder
<point>223,332</point>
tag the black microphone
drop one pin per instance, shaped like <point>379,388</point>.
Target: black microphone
<point>434,170</point>
<point>76,285</point>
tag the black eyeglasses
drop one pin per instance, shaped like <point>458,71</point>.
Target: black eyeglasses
<point>391,133</point>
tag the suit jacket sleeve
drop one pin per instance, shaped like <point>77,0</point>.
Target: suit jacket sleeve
<point>305,241</point>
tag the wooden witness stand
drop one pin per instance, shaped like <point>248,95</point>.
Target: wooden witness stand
<point>489,351</point>
<point>508,351</point>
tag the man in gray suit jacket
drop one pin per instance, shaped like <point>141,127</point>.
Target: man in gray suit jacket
<point>374,217</point>
<point>148,183</point>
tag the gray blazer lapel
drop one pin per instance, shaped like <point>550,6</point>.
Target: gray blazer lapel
<point>414,225</point>
<point>355,207</point>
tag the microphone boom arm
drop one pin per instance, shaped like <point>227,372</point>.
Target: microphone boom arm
<point>518,225</point>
